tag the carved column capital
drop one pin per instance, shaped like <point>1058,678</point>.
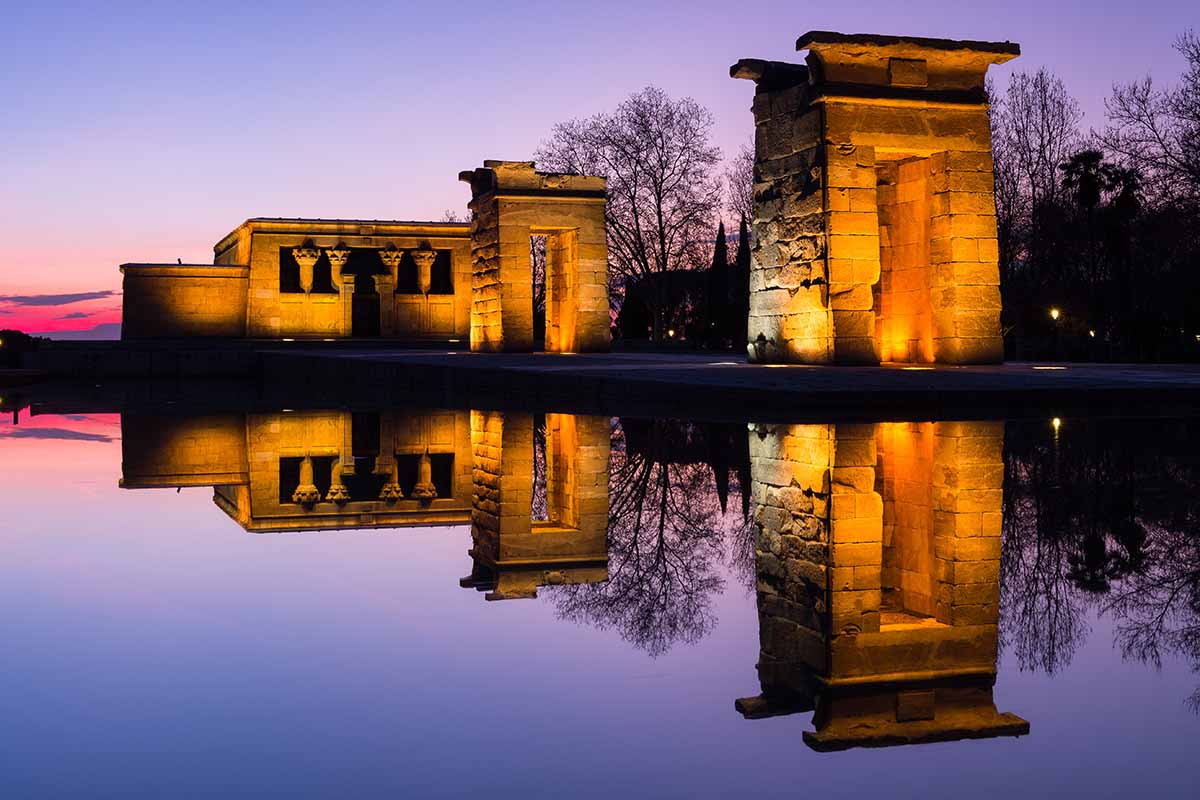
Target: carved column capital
<point>306,493</point>
<point>391,258</point>
<point>424,491</point>
<point>424,257</point>
<point>306,257</point>
<point>337,260</point>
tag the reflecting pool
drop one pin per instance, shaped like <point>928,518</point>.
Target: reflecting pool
<point>384,601</point>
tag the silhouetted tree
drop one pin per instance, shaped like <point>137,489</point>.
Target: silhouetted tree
<point>1157,131</point>
<point>663,189</point>
<point>739,184</point>
<point>667,536</point>
<point>1103,516</point>
<point>718,291</point>
<point>740,292</point>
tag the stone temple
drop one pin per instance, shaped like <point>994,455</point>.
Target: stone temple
<point>874,218</point>
<point>874,234</point>
<point>330,279</point>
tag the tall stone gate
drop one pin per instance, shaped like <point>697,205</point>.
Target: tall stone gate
<point>512,202</point>
<point>874,218</point>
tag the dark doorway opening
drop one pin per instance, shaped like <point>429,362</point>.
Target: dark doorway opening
<point>364,311</point>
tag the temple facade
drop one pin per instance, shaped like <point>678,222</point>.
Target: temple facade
<point>874,217</point>
<point>412,281</point>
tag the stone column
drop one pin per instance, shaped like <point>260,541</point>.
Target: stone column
<point>306,257</point>
<point>424,491</point>
<point>346,290</point>
<point>385,287</point>
<point>964,272</point>
<point>306,493</point>
<point>502,453</point>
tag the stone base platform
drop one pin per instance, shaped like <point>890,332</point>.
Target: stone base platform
<point>716,386</point>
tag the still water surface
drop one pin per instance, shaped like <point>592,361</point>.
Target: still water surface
<point>550,605</point>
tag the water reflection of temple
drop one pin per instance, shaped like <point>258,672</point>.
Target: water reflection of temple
<point>877,553</point>
<point>337,470</point>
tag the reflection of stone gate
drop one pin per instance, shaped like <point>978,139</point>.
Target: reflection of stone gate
<point>510,203</point>
<point>511,553</point>
<point>341,470</point>
<point>874,220</point>
<point>877,550</point>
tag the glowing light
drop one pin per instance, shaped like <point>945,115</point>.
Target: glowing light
<point>454,341</point>
<point>289,340</point>
<point>722,363</point>
<point>671,332</point>
<point>1057,423</point>
<point>329,340</point>
<point>916,369</point>
<point>1055,314</point>
<point>1092,334</point>
<point>1049,367</point>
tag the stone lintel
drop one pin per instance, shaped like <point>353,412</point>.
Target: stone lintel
<point>910,67</point>
<point>981,725</point>
<point>831,40</point>
<point>521,178</point>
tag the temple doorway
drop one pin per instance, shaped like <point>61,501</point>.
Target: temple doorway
<point>364,311</point>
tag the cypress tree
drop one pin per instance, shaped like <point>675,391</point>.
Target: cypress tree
<point>718,291</point>
<point>739,301</point>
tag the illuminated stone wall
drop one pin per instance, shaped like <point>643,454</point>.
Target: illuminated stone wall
<point>877,552</point>
<point>183,300</point>
<point>177,450</point>
<point>512,555</point>
<point>874,221</point>
<point>325,313</point>
<point>512,202</point>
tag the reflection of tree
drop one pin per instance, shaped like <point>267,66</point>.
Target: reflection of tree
<point>1041,611</point>
<point>1101,513</point>
<point>666,540</point>
<point>1158,608</point>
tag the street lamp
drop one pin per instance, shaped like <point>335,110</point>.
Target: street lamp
<point>1055,314</point>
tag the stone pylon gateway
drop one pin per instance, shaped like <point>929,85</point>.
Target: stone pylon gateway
<point>874,215</point>
<point>511,201</point>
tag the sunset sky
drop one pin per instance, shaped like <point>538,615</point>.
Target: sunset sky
<point>146,131</point>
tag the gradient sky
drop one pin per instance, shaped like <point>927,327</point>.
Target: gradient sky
<point>146,131</point>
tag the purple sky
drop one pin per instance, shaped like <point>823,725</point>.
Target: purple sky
<point>145,131</point>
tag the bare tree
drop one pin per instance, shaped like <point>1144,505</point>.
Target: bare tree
<point>739,185</point>
<point>663,190</point>
<point>667,535</point>
<point>1157,132</point>
<point>1040,131</point>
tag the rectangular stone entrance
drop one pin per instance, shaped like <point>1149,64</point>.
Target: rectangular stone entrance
<point>512,202</point>
<point>874,221</point>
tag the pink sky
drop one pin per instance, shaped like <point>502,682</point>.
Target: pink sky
<point>145,133</point>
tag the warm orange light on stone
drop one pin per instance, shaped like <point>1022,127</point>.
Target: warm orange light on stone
<point>874,221</point>
<point>877,550</point>
<point>511,202</point>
